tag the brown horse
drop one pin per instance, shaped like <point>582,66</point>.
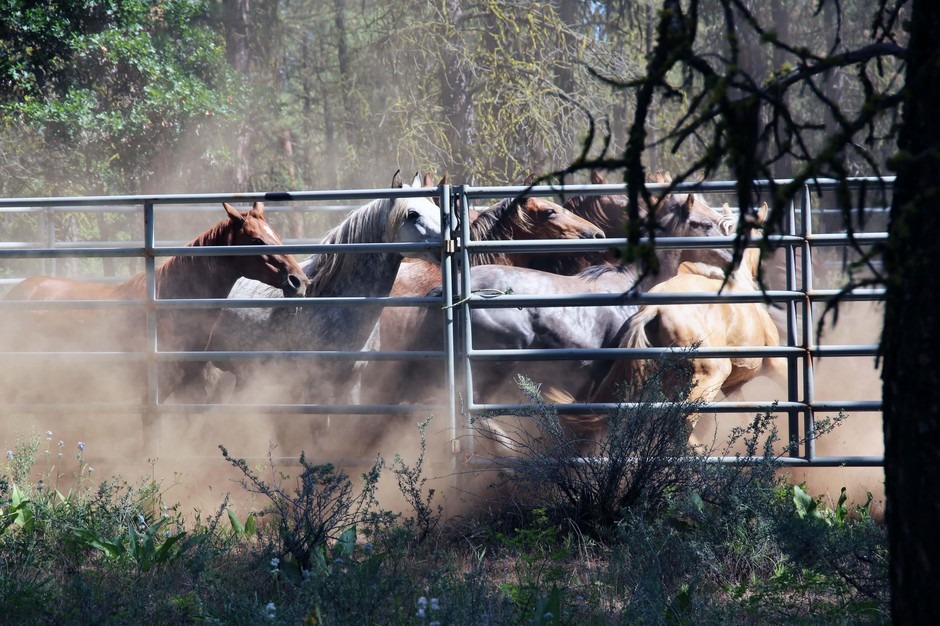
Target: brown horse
<point>677,215</point>
<point>122,329</point>
<point>510,219</point>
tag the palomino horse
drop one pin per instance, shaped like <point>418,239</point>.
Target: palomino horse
<point>711,324</point>
<point>331,274</point>
<point>109,329</point>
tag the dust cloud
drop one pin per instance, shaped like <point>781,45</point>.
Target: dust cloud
<point>180,449</point>
<point>836,379</point>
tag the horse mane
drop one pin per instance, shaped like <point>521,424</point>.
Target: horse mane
<point>377,221</point>
<point>497,223</point>
<point>595,272</point>
<point>591,208</point>
<point>219,234</point>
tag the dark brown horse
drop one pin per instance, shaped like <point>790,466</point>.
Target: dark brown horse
<point>123,329</point>
<point>677,215</point>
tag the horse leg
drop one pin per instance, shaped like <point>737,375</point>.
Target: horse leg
<point>709,376</point>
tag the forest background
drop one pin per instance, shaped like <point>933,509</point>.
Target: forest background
<point>190,96</point>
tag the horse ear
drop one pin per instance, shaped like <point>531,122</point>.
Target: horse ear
<point>416,181</point>
<point>396,180</point>
<point>233,212</point>
<point>529,179</point>
<point>427,180</point>
<point>597,178</point>
<point>258,209</point>
<point>444,180</point>
<point>728,223</point>
<point>687,207</point>
<point>762,213</point>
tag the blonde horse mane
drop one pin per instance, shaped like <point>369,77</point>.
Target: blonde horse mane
<point>375,222</point>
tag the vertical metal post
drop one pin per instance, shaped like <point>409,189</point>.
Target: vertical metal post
<point>447,285</point>
<point>809,324</point>
<point>47,232</point>
<point>464,317</point>
<point>793,371</point>
<point>150,418</point>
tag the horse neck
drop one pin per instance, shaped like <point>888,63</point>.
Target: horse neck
<point>613,223</point>
<point>609,277</point>
<point>373,274</point>
<point>496,224</point>
<point>200,276</point>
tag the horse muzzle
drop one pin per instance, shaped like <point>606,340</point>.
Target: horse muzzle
<point>293,286</point>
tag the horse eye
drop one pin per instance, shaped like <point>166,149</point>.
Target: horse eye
<point>257,241</point>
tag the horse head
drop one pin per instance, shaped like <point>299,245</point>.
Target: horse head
<point>540,218</point>
<point>608,211</point>
<point>687,215</point>
<point>414,220</point>
<point>251,228</point>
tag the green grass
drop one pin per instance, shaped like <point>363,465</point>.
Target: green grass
<point>722,545</point>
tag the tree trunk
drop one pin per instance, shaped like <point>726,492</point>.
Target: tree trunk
<point>911,337</point>
<point>237,50</point>
<point>456,101</point>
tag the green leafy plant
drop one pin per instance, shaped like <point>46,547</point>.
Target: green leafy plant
<point>412,483</point>
<point>321,507</point>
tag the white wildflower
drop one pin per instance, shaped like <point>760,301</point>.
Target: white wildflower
<point>270,610</point>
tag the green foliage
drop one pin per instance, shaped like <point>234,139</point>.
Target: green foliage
<point>538,565</point>
<point>145,545</point>
<point>104,89</point>
<point>321,507</point>
<point>412,485</point>
<point>104,555</point>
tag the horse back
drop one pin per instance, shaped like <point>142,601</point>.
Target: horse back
<point>52,288</point>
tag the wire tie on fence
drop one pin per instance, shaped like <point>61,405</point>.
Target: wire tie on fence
<point>486,293</point>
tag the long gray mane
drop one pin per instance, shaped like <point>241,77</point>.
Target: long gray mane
<point>377,221</point>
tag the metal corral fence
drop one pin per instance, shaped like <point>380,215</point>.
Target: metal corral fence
<point>140,229</point>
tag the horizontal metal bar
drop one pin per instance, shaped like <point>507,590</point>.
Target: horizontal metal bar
<point>495,300</point>
<point>704,407</point>
<point>227,409</point>
<point>225,303</point>
<point>575,354</point>
<point>198,251</point>
<point>496,462</point>
<point>206,198</point>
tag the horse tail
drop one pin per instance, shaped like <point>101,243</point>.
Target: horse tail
<point>628,371</point>
<point>583,428</point>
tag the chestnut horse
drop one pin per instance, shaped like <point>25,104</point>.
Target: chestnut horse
<point>122,330</point>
